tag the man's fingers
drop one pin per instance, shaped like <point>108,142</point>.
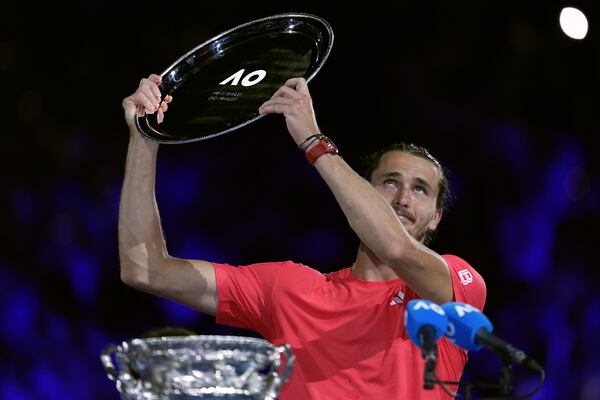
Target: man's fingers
<point>292,82</point>
<point>150,85</point>
<point>163,107</point>
<point>299,84</point>
<point>281,100</point>
<point>278,105</point>
<point>273,109</point>
<point>302,86</point>
<point>148,101</point>
<point>155,78</point>
<point>286,91</point>
<point>147,97</point>
<point>155,91</point>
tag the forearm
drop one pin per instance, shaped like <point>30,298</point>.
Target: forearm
<point>369,215</point>
<point>141,240</point>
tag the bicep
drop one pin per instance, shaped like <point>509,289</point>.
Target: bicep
<point>189,282</point>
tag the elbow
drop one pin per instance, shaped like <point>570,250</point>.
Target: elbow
<point>135,269</point>
<point>131,276</point>
<point>127,277</point>
<point>398,253</point>
<point>137,272</point>
<point>144,275</point>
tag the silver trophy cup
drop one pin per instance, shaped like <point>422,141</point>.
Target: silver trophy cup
<point>190,367</point>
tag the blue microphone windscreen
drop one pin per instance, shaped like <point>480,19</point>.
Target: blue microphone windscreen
<point>464,321</point>
<point>420,313</point>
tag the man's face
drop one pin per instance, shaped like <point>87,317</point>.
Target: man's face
<point>410,184</point>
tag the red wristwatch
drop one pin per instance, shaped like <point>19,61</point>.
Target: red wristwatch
<point>324,146</point>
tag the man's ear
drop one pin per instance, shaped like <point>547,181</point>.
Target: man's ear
<point>435,219</point>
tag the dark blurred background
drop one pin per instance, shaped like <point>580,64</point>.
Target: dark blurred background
<point>495,89</point>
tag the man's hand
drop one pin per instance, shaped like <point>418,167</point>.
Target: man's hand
<point>145,100</point>
<point>294,102</point>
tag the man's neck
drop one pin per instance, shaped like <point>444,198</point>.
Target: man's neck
<point>369,268</point>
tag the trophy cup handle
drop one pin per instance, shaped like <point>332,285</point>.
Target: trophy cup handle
<point>276,379</point>
<point>106,358</point>
<point>290,358</point>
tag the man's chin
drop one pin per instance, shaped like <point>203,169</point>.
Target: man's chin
<point>409,227</point>
<point>419,236</point>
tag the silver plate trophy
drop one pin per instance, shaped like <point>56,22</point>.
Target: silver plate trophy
<point>201,366</point>
<point>218,86</point>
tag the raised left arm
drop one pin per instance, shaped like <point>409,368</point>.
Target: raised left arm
<point>370,216</point>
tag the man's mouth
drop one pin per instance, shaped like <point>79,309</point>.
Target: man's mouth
<point>403,215</point>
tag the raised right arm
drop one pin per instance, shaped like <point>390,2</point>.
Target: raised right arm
<point>145,262</point>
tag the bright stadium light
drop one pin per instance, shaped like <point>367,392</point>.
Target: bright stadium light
<point>573,23</point>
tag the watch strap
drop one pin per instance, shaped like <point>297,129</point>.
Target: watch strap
<point>323,146</point>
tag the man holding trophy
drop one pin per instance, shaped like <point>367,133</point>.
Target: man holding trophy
<point>346,328</point>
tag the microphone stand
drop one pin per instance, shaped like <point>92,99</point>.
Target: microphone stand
<point>430,354</point>
<point>504,385</point>
<point>506,378</point>
<point>429,374</point>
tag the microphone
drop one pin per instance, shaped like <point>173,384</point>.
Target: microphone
<point>425,322</point>
<point>469,328</point>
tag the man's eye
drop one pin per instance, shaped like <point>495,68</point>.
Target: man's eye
<point>389,184</point>
<point>420,189</point>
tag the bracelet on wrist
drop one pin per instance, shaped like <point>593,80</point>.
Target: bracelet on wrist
<point>309,140</point>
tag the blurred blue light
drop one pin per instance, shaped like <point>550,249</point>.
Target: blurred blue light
<point>555,194</point>
<point>592,314</point>
<point>195,246</point>
<point>178,187</point>
<point>67,196</point>
<point>84,274</point>
<point>526,234</point>
<point>178,314</point>
<point>535,258</point>
<point>96,339</point>
<point>19,317</point>
<point>47,383</point>
<point>526,238</point>
<point>57,331</point>
<point>510,141</point>
<point>559,337</point>
<point>97,226</point>
<point>11,390</point>
<point>324,246</point>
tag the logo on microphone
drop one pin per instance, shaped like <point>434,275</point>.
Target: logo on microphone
<point>465,276</point>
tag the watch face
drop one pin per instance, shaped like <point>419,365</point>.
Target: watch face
<point>218,86</point>
<point>331,146</point>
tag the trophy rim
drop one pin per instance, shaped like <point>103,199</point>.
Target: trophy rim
<point>201,339</point>
<point>151,133</point>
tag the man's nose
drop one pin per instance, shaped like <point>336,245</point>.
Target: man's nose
<point>401,197</point>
